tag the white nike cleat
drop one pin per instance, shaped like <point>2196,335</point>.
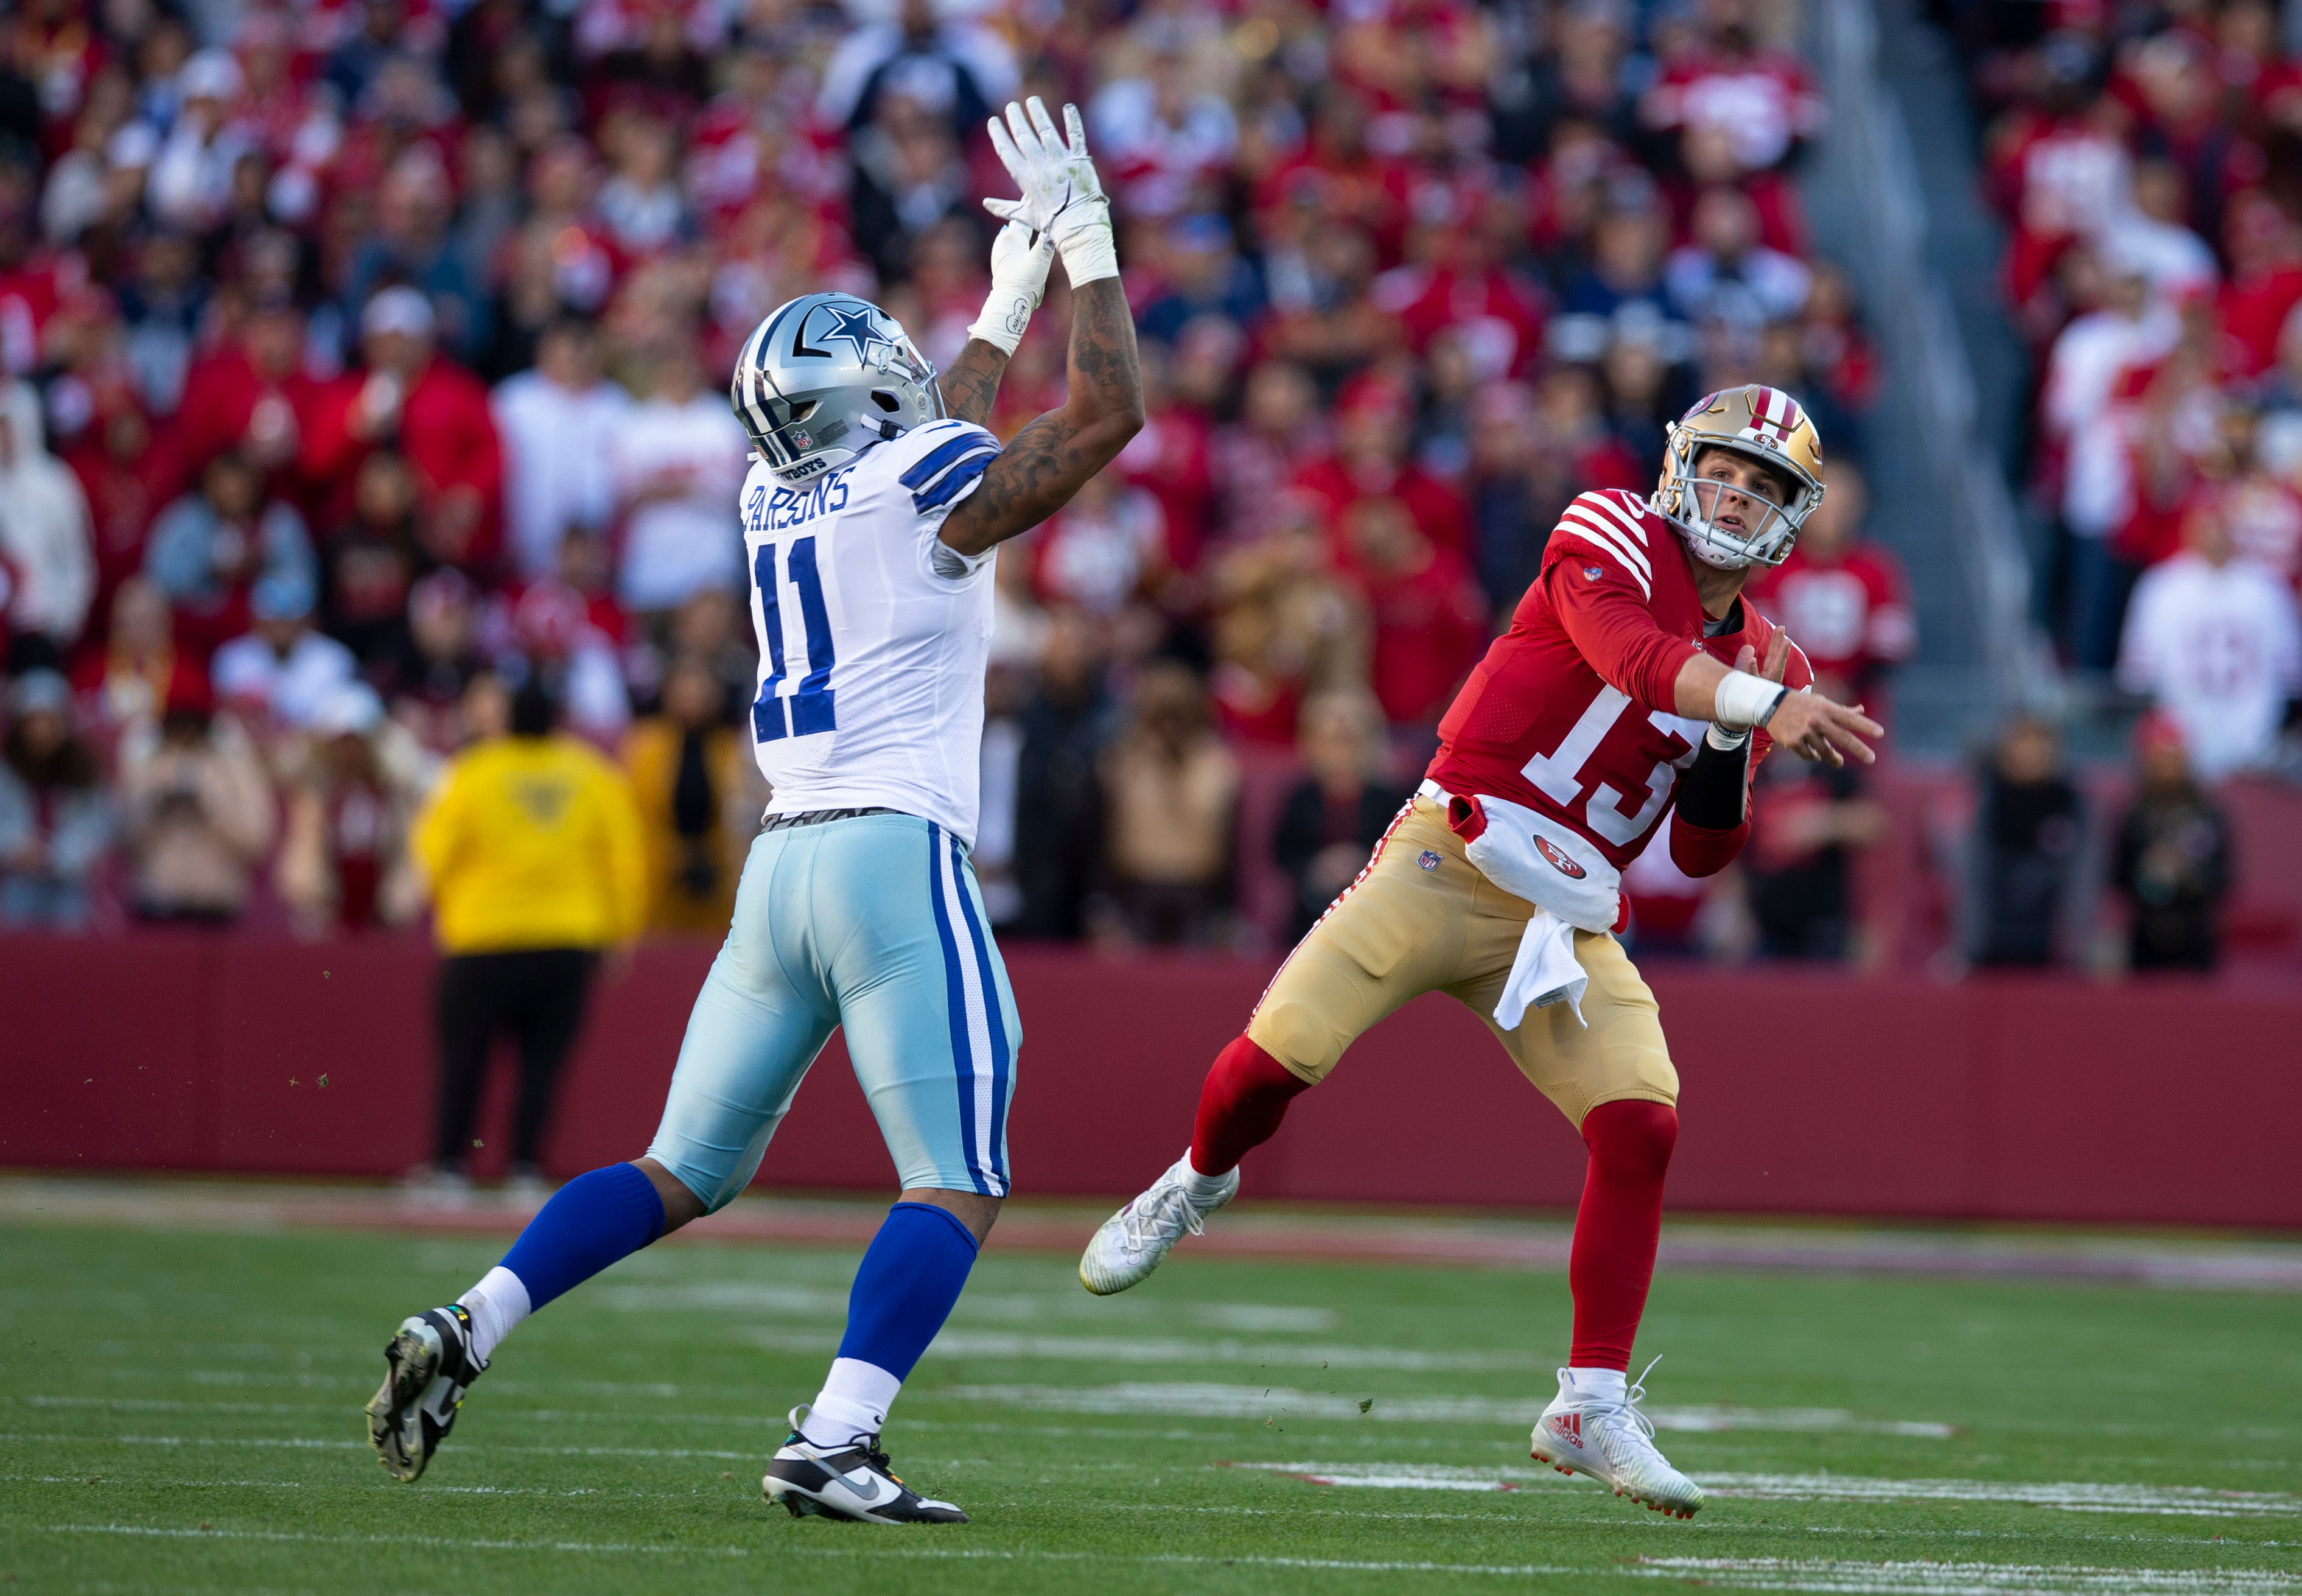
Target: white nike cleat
<point>1613,1442</point>
<point>856,1481</point>
<point>1138,1239</point>
<point>428,1368</point>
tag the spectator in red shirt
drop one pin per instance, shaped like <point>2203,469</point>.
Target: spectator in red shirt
<point>1760,96</point>
<point>1846,602</point>
<point>2266,279</point>
<point>1279,431</point>
<point>1168,460</point>
<point>1455,282</point>
<point>1430,617</point>
<point>436,412</point>
<point>1373,432</point>
<point>251,395</point>
<point>125,479</point>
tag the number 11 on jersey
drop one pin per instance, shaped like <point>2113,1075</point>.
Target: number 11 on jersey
<point>811,707</point>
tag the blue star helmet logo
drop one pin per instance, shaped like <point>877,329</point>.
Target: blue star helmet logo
<point>859,326</point>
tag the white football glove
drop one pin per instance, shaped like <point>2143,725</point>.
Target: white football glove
<point>1020,259</point>
<point>1061,196</point>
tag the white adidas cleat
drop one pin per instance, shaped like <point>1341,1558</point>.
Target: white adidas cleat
<point>1613,1442</point>
<point>1138,1239</point>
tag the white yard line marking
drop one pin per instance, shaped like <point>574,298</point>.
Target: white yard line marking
<point>2069,1496</point>
<point>935,1554</point>
<point>1399,1476</point>
<point>295,1443</point>
<point>173,1405</point>
<point>1921,1578</point>
<point>1160,1349</point>
<point>1916,1578</point>
<point>174,1483</point>
<point>1207,1400</point>
<point>780,1299</point>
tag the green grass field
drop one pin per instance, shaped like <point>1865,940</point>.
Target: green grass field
<point>182,1414</point>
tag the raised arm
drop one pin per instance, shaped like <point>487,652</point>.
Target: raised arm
<point>1063,209</point>
<point>971,383</point>
<point>1019,257</point>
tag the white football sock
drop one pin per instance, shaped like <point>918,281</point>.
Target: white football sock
<point>853,1404</point>
<point>496,1305</point>
<point>1606,1385</point>
<point>1199,1187</point>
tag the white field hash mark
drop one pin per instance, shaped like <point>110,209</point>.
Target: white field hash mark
<point>1750,1574</point>
<point>2068,1496</point>
<point>1205,1400</point>
<point>1165,1349</point>
<point>1919,1578</point>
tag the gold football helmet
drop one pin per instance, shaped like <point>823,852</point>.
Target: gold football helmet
<point>1760,423</point>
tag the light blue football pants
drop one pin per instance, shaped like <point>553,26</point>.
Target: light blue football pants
<point>873,923</point>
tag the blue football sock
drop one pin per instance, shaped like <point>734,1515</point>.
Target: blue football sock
<point>904,1289</point>
<point>589,1223</point>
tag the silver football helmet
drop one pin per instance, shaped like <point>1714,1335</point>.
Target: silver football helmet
<point>824,378</point>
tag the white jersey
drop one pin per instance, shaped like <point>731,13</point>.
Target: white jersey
<point>2219,648</point>
<point>873,632</point>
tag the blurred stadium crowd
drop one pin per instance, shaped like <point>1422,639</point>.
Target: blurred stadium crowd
<point>2148,163</point>
<point>366,361</point>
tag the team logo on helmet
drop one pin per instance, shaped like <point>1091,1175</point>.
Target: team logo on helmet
<point>1760,423</point>
<point>825,376</point>
<point>855,326</point>
<point>1559,861</point>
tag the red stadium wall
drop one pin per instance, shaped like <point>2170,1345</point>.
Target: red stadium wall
<point>2025,1099</point>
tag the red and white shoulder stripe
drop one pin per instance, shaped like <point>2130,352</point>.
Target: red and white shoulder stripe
<point>1616,523</point>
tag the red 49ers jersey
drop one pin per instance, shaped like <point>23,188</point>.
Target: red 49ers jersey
<point>1570,712</point>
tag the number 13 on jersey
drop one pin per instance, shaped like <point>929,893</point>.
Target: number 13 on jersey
<point>809,710</point>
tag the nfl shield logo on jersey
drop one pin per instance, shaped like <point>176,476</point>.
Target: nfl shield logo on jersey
<point>1592,573</point>
<point>1429,859</point>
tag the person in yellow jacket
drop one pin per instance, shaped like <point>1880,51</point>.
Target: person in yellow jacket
<point>701,796</point>
<point>531,849</point>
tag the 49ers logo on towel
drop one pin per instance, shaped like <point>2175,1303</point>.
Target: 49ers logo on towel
<point>1559,861</point>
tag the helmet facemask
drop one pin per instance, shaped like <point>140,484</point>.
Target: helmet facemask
<point>1757,424</point>
<point>811,403</point>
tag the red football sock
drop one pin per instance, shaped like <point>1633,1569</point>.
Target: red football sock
<point>1618,1227</point>
<point>1246,1096</point>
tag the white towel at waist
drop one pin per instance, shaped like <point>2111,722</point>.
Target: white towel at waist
<point>1545,971</point>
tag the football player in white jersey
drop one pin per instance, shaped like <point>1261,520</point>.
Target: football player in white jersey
<point>870,515</point>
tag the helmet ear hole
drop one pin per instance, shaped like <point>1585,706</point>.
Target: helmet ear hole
<point>804,409</point>
<point>886,401</point>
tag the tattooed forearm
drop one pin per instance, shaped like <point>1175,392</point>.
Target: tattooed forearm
<point>971,385</point>
<point>1050,458</point>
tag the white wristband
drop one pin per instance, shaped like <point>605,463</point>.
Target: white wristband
<point>1006,313</point>
<point>1744,700</point>
<point>1723,740</point>
<point>1089,255</point>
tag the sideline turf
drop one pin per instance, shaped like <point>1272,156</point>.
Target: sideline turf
<point>182,1414</point>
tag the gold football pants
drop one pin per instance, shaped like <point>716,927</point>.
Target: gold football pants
<point>1420,918</point>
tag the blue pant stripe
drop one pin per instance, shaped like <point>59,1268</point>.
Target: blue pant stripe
<point>996,1025</point>
<point>963,1045</point>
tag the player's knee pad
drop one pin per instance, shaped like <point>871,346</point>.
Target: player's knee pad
<point>1296,1035</point>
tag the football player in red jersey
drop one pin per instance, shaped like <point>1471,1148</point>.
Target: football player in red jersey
<point>1634,688</point>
